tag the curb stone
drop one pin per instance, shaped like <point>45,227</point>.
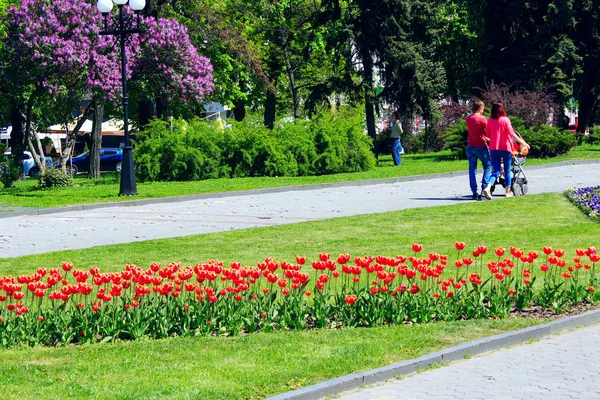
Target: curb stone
<point>364,182</point>
<point>354,381</point>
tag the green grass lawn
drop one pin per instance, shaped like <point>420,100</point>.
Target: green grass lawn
<point>246,367</point>
<point>106,189</point>
<point>542,220</point>
<point>255,366</point>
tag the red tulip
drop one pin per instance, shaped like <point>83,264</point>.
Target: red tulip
<point>590,288</point>
<point>324,256</point>
<point>512,291</point>
<point>350,299</point>
<point>459,245</point>
<point>343,258</point>
<point>416,247</point>
<point>591,250</point>
<point>547,250</point>
<point>499,251</point>
<point>559,252</point>
<point>580,252</point>
<point>40,318</point>
<point>300,260</point>
<point>436,295</point>
<point>450,294</point>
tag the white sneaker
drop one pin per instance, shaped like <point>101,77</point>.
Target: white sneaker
<point>487,193</point>
<point>509,194</point>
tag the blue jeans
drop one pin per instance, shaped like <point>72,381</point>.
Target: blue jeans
<point>497,157</point>
<point>396,150</point>
<point>482,154</point>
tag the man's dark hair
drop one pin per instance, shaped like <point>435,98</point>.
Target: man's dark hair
<point>477,104</point>
<point>397,114</point>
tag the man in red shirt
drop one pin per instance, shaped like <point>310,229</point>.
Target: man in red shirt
<point>477,147</point>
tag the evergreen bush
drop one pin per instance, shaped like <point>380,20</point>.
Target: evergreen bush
<point>200,150</point>
<point>54,178</point>
<point>547,141</point>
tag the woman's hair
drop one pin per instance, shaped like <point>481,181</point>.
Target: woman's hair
<point>497,111</point>
<point>397,114</point>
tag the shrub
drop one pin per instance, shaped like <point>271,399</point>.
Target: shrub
<point>533,107</point>
<point>8,173</point>
<point>545,142</point>
<point>200,150</point>
<point>594,136</point>
<point>456,139</point>
<point>549,141</point>
<point>54,178</point>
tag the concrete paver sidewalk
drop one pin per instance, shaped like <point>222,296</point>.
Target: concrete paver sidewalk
<point>554,368</point>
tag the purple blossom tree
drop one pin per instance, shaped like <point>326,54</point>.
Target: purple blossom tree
<point>55,56</point>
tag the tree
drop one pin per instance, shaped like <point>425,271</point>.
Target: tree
<point>54,52</point>
<point>587,39</point>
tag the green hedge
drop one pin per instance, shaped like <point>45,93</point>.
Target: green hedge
<point>545,142</point>
<point>54,178</point>
<point>195,150</point>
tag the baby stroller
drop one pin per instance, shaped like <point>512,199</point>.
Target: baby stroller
<point>519,179</point>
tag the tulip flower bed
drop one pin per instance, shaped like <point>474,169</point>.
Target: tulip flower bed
<point>587,199</point>
<point>65,305</point>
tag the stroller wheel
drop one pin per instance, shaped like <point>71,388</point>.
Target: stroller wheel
<point>516,189</point>
<point>524,188</point>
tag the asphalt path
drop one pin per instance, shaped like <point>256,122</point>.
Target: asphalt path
<point>34,234</point>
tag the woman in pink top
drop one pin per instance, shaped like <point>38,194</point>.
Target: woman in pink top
<point>501,134</point>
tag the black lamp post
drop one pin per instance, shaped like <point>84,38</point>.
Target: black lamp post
<point>121,28</point>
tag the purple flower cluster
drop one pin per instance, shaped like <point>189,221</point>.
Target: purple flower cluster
<point>588,199</point>
<point>55,46</point>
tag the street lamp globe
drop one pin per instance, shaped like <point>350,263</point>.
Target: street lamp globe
<point>105,6</point>
<point>137,5</point>
<point>120,2</point>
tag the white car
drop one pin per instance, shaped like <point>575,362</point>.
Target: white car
<point>29,167</point>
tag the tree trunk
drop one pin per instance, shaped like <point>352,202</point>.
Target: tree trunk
<point>72,136</point>
<point>239,110</point>
<point>146,111</point>
<point>36,151</point>
<point>17,137</point>
<point>290,74</point>
<point>96,139</point>
<point>271,99</point>
<point>162,106</point>
<point>588,101</point>
<point>367,62</point>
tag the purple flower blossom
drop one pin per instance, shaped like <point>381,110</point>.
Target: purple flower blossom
<point>55,46</point>
<point>587,199</point>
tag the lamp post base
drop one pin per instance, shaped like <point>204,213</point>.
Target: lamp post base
<point>128,186</point>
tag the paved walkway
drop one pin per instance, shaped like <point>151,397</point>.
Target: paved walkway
<point>560,367</point>
<point>35,234</point>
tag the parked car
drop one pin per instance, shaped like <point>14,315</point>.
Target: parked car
<point>110,160</point>
<point>29,167</point>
